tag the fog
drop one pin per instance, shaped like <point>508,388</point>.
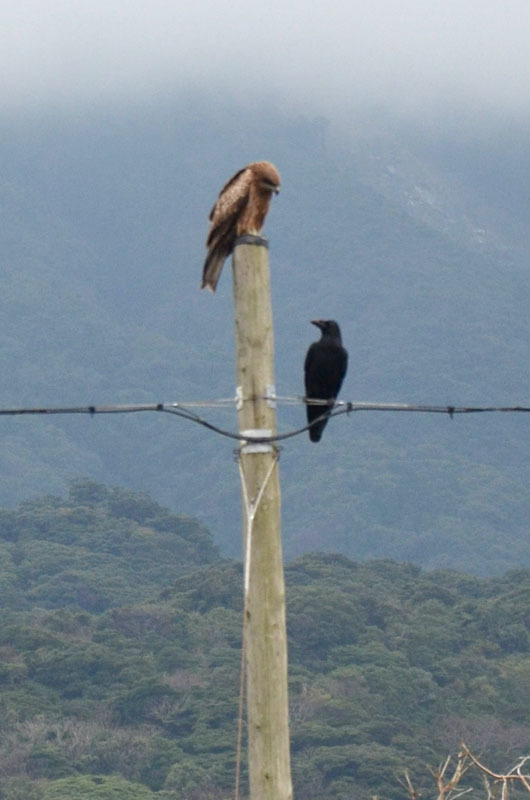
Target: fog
<point>419,56</point>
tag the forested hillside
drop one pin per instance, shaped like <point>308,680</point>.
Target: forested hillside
<point>120,645</point>
<point>411,245</point>
<point>96,549</point>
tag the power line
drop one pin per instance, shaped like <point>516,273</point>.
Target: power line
<point>184,411</point>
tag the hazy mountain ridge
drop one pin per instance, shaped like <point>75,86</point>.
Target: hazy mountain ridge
<point>471,189</point>
<point>105,220</point>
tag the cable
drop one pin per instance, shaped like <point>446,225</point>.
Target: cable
<point>299,400</point>
<point>341,407</point>
<point>119,409</point>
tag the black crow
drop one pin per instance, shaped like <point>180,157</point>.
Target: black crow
<point>324,368</point>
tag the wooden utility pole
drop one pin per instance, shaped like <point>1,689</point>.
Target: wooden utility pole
<point>265,637</point>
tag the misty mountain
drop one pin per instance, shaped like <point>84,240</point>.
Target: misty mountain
<point>410,241</point>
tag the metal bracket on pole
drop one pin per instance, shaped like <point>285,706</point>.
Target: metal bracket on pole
<point>256,447</point>
<point>239,397</point>
<point>251,238</point>
<point>270,394</point>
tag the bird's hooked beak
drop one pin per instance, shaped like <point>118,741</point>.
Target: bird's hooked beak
<point>318,322</point>
<point>267,185</point>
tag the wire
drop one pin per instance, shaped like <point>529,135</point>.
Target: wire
<point>340,407</point>
<point>120,409</point>
<point>363,406</point>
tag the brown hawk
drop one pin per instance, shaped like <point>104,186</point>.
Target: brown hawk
<point>241,208</point>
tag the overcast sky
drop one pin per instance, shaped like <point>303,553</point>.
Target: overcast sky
<point>330,55</point>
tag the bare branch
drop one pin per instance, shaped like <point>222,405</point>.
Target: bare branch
<point>477,763</point>
<point>413,793</point>
<point>490,794</point>
<point>525,779</point>
<point>447,790</point>
<point>497,785</point>
<point>514,774</point>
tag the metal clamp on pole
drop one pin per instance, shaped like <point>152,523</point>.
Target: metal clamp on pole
<point>256,447</point>
<point>251,238</point>
<point>270,395</point>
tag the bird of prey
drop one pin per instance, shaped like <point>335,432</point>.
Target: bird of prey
<point>325,367</point>
<point>241,208</point>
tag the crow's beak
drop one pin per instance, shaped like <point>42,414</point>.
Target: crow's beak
<point>317,322</point>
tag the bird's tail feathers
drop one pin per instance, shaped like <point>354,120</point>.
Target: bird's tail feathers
<point>319,417</point>
<point>212,268</point>
<point>220,243</point>
<point>315,433</point>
